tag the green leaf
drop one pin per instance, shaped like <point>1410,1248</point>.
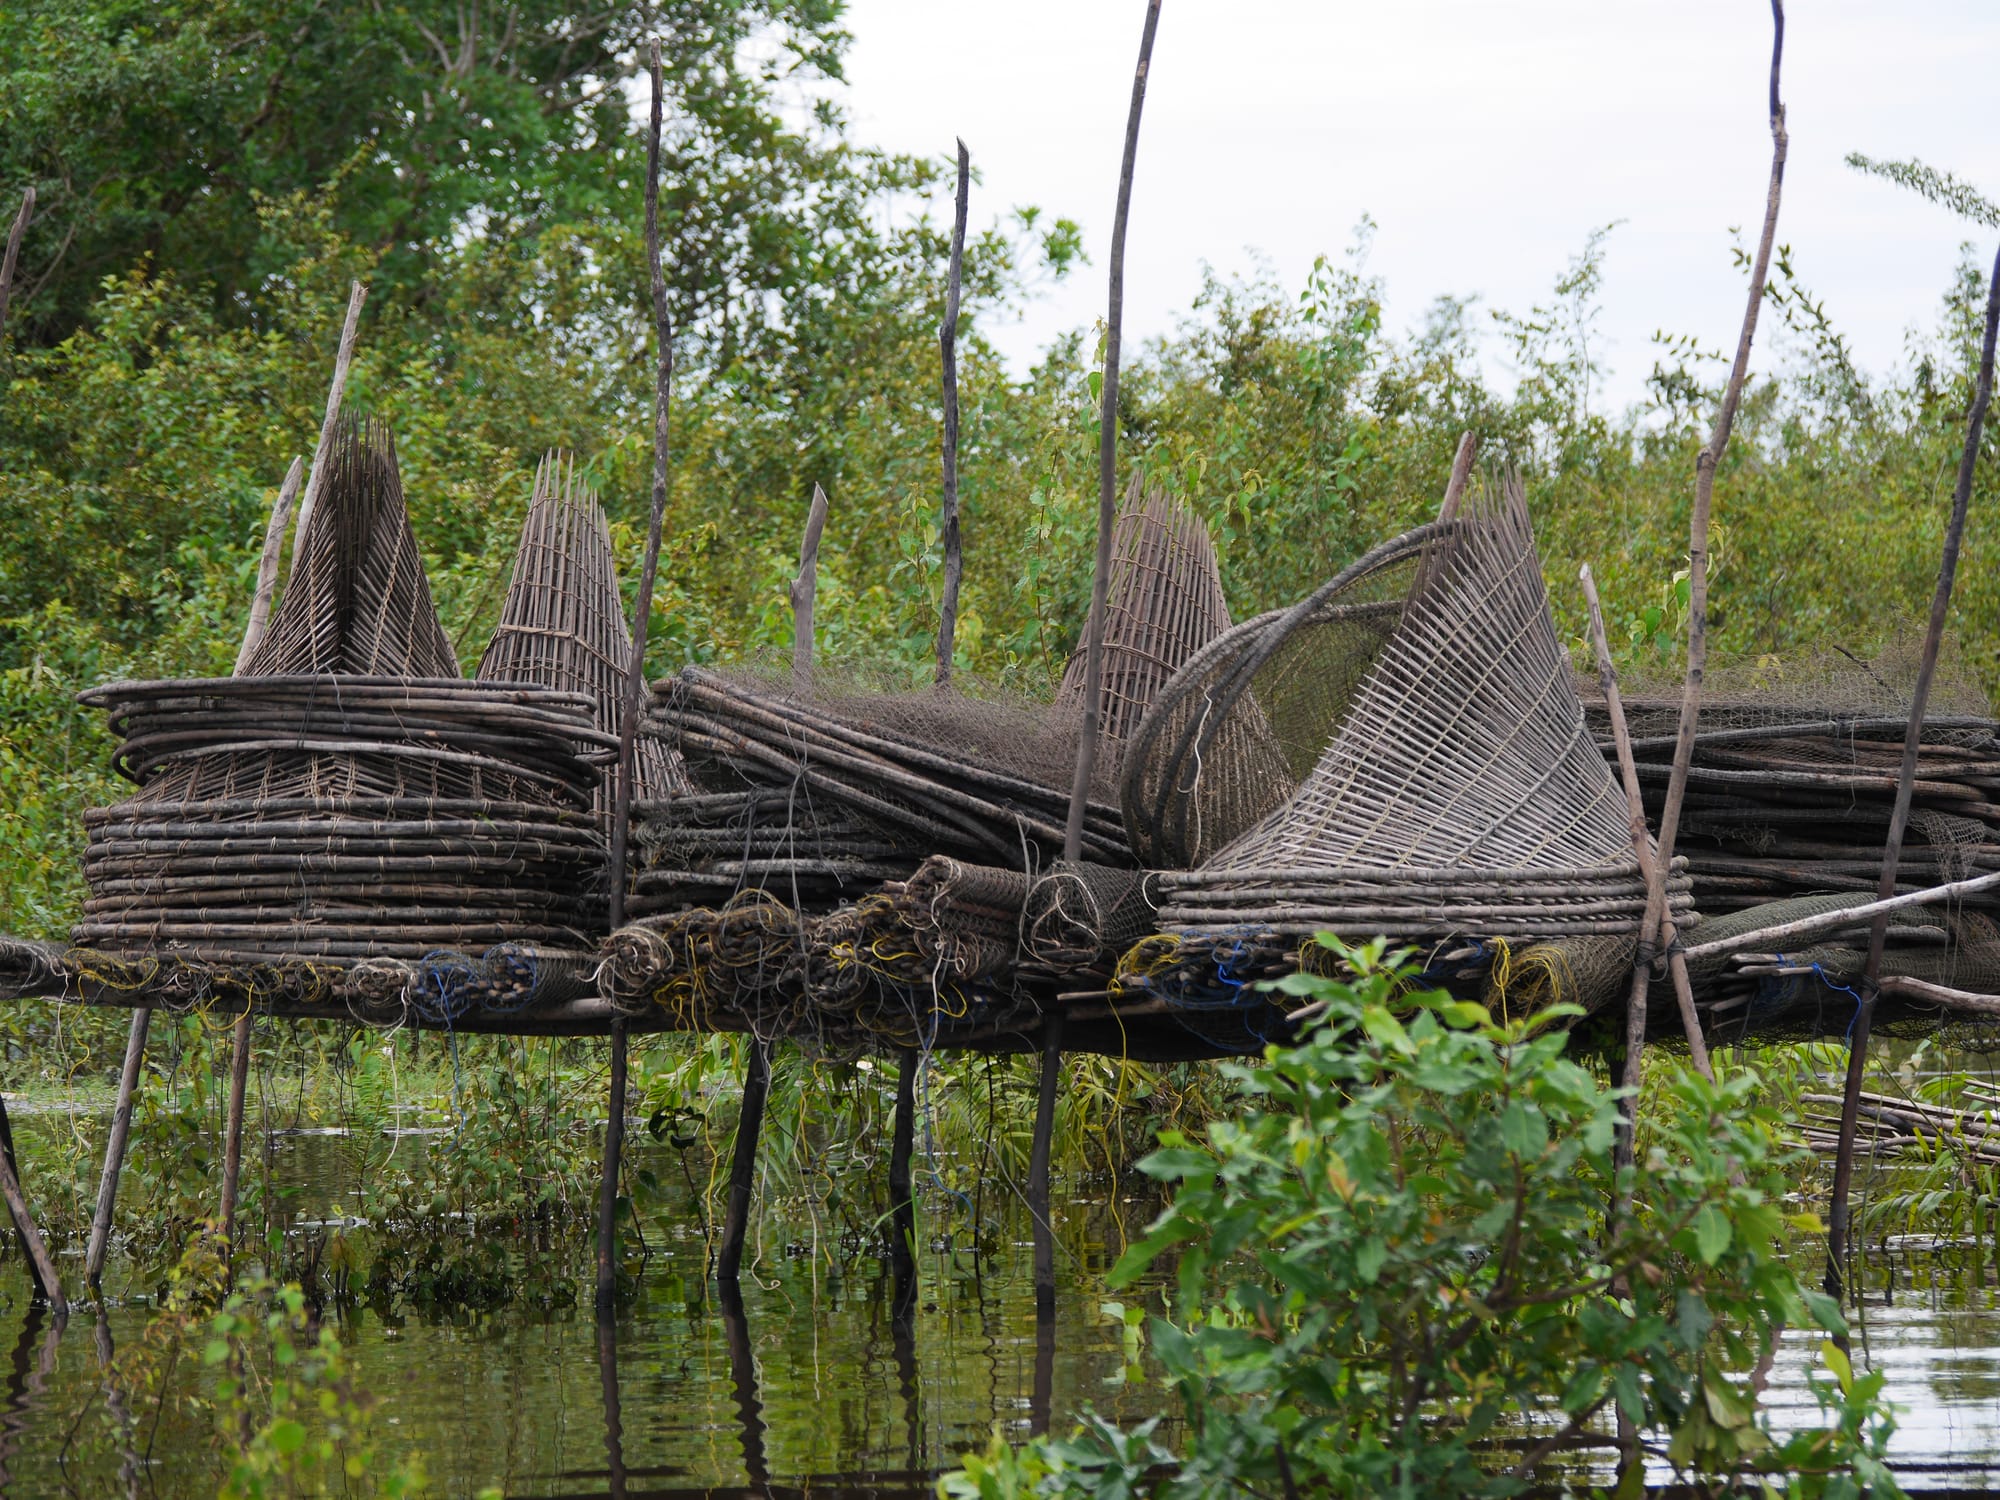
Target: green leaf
<point>1711,1234</point>
<point>1843,1369</point>
<point>286,1436</point>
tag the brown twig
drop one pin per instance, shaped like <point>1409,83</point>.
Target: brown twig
<point>343,360</point>
<point>1107,455</point>
<point>1878,932</point>
<point>805,589</point>
<point>954,553</point>
<point>1704,490</point>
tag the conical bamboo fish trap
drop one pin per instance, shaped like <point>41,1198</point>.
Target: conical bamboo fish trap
<point>1462,793</point>
<point>1244,721</point>
<point>349,797</point>
<point>358,600</point>
<point>563,622</point>
<point>1163,603</point>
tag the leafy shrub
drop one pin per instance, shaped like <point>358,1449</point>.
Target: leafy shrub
<point>1395,1274</point>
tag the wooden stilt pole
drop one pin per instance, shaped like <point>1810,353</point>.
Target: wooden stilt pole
<point>1038,1164</point>
<point>743,1165</point>
<point>805,590</point>
<point>635,685</point>
<point>48,1286</point>
<point>902,1147</point>
<point>1093,660</point>
<point>114,1149</point>
<point>343,361</point>
<point>954,556</point>
<point>135,1039</point>
<point>1878,932</point>
<point>607,1189</point>
<point>1704,490</point>
<point>1107,457</point>
<point>13,254</point>
<point>232,1140</point>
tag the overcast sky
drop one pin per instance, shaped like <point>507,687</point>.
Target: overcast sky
<point>1486,139</point>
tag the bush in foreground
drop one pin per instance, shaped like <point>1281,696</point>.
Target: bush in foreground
<point>1395,1275</point>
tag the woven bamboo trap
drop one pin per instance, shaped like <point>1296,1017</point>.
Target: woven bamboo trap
<point>1163,603</point>
<point>1461,791</point>
<point>350,798</point>
<point>1244,721</point>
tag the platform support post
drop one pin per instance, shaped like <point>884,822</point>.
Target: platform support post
<point>43,1269</point>
<point>743,1167</point>
<point>1038,1164</point>
<point>607,1191</point>
<point>114,1148</point>
<point>232,1140</point>
<point>902,1146</point>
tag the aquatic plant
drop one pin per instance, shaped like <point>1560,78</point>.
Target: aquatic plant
<point>1395,1273</point>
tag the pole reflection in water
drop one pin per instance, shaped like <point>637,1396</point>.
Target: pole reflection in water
<point>1042,1400</point>
<point>607,1378</point>
<point>743,1374</point>
<point>26,1377</point>
<point>129,1466</point>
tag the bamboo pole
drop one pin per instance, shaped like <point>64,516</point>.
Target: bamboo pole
<point>21,222</point>
<point>1698,523</point>
<point>743,1163</point>
<point>1107,456</point>
<point>267,565</point>
<point>1878,932</point>
<point>114,1148</point>
<point>1656,922</point>
<point>902,1147</point>
<point>343,361</point>
<point>1642,851</point>
<point>1093,670</point>
<point>1765,939</point>
<point>40,1267</point>
<point>614,1425</point>
<point>805,591</point>
<point>232,1141</point>
<point>954,555</point>
<point>635,680</point>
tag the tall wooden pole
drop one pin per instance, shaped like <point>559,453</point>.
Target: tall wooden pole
<point>1899,818</point>
<point>13,255</point>
<point>343,361</point>
<point>1093,661</point>
<point>954,556</point>
<point>1704,489</point>
<point>232,1146</point>
<point>635,679</point>
<point>743,1163</point>
<point>41,1268</point>
<point>805,590</point>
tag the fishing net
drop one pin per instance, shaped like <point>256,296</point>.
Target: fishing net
<point>831,785</point>
<point>1163,603</point>
<point>1461,792</point>
<point>1795,769</point>
<point>1246,718</point>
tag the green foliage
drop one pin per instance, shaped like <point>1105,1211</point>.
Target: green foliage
<point>1401,1255</point>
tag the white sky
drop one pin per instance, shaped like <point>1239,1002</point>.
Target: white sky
<point>1485,139</point>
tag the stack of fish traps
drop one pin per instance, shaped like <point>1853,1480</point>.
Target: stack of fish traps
<point>1459,802</point>
<point>348,817</point>
<point>1787,811</point>
<point>889,862</point>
